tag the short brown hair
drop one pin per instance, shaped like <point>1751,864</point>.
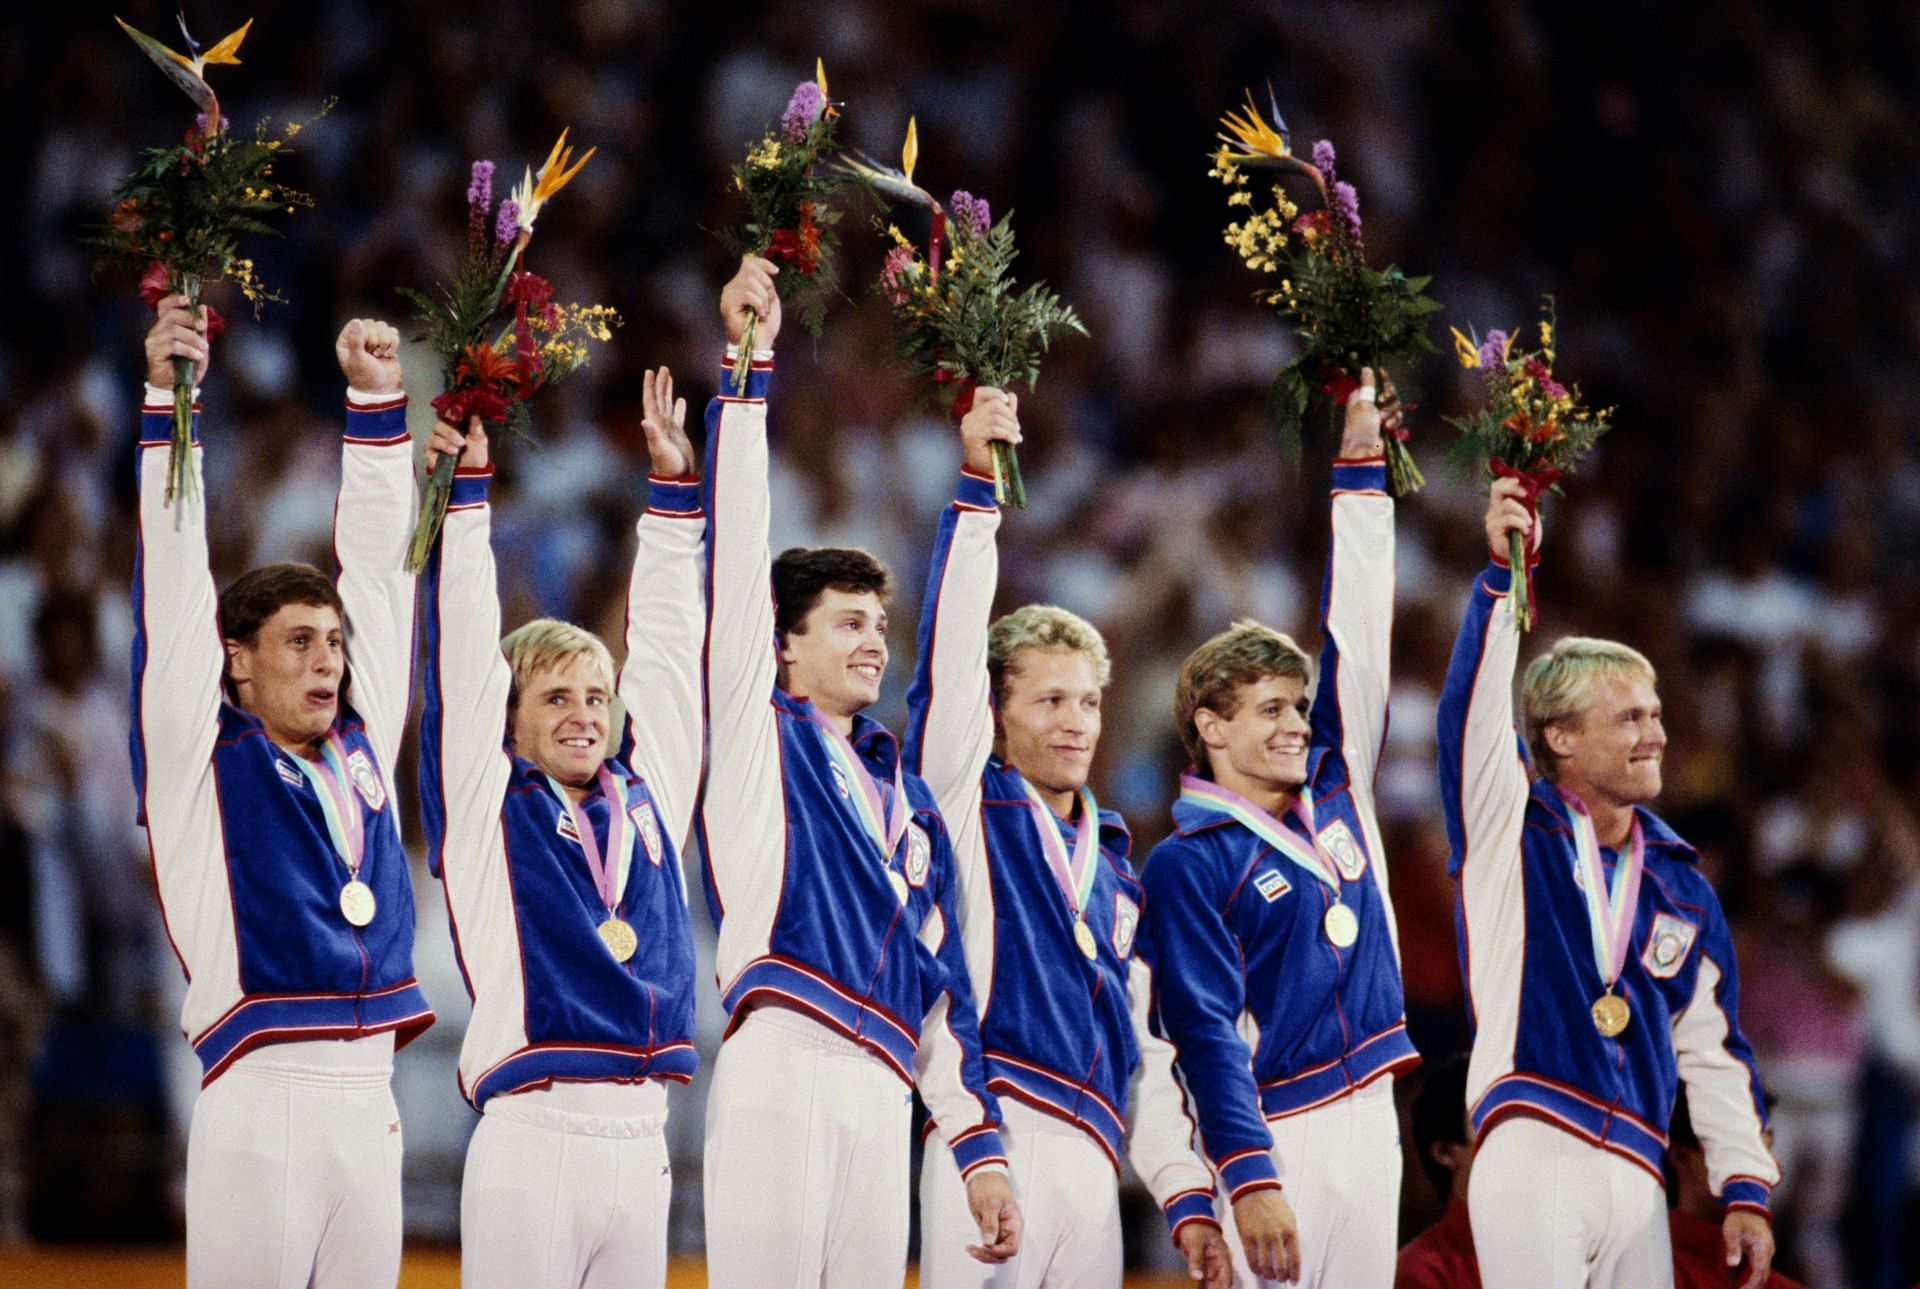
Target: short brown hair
<point>1212,676</point>
<point>256,596</point>
<point>802,575</point>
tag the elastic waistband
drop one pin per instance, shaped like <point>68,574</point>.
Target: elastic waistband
<point>618,1110</point>
<point>349,1064</point>
<point>802,1030</point>
<point>1388,1052</point>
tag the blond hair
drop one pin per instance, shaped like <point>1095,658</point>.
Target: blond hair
<point>1046,627</point>
<point>1560,685</point>
<point>1213,675</point>
<point>546,643</point>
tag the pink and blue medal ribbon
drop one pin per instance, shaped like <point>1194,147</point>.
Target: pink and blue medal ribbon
<point>885,828</point>
<point>609,870</point>
<point>1610,911</point>
<point>1207,795</point>
<point>1074,872</point>
<point>346,826</point>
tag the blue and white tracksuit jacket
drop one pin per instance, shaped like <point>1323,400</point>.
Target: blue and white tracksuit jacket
<point>550,1003</point>
<point>1526,949</point>
<point>1269,1017</point>
<point>248,877</point>
<point>807,915</point>
<point>1059,1032</point>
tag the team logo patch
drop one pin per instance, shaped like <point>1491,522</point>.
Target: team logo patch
<point>648,825</point>
<point>1126,920</point>
<point>919,855</point>
<point>1272,884</point>
<point>565,826</point>
<point>365,780</point>
<point>839,781</point>
<point>1338,841</point>
<point>1668,944</point>
<point>290,774</point>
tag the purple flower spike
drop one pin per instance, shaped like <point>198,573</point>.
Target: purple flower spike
<point>506,226</point>
<point>969,213</point>
<point>1346,205</point>
<point>1323,158</point>
<point>479,202</point>
<point>803,109</point>
<point>1493,350</point>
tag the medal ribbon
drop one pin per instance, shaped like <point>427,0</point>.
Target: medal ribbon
<point>885,827</point>
<point>609,870</point>
<point>1207,795</point>
<point>1610,913</point>
<point>346,826</point>
<point>1075,873</point>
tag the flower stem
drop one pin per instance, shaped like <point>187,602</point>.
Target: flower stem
<point>1517,561</point>
<point>433,512</point>
<point>743,356</point>
<point>180,451</point>
<point>1009,489</point>
<point>1403,471</point>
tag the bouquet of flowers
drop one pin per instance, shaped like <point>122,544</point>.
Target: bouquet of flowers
<point>496,328</point>
<point>1345,314</point>
<point>179,217</point>
<point>791,209</point>
<point>963,324</point>
<point>1533,429</point>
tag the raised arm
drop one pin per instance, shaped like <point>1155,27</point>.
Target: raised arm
<point>743,824</point>
<point>1724,1098</point>
<point>371,525</point>
<point>464,767</point>
<point>659,682</point>
<point>1483,767</point>
<point>1356,601</point>
<point>177,658</point>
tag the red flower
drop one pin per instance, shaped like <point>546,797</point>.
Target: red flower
<point>1535,369</point>
<point>529,289</point>
<point>484,401</point>
<point>799,247</point>
<point>153,285</point>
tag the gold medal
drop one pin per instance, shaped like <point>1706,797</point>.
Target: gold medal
<point>1343,928</point>
<point>356,902</point>
<point>619,938</point>
<point>1611,1014</point>
<point>1083,936</point>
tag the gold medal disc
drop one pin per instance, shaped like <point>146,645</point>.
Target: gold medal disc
<point>619,939</point>
<point>1343,928</point>
<point>356,902</point>
<point>1611,1014</point>
<point>1083,936</point>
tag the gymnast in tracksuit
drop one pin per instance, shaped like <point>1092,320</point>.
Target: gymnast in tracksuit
<point>560,869</point>
<point>1598,964</point>
<point>1269,919</point>
<point>264,768</point>
<point>830,877</point>
<point>1003,727</point>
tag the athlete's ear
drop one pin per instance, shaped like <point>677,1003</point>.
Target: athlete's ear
<point>1212,727</point>
<point>239,661</point>
<point>1561,736</point>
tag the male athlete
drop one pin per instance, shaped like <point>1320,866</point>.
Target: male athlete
<point>1597,961</point>
<point>830,877</point>
<point>564,882</point>
<point>1004,725</point>
<point>1279,967</point>
<point>264,765</point>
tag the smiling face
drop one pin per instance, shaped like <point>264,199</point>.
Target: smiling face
<point>1050,717</point>
<point>1260,750</point>
<point>837,655</point>
<point>289,674</point>
<point>1610,751</point>
<point>561,718</point>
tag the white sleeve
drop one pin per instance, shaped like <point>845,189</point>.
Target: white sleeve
<point>372,523</point>
<point>1159,1130</point>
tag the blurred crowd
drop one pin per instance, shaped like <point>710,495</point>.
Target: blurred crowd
<point>1718,197</point>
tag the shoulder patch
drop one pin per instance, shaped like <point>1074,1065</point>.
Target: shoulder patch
<point>1338,841</point>
<point>1669,941</point>
<point>1126,920</point>
<point>647,824</point>
<point>1271,884</point>
<point>919,857</point>
<point>366,781</point>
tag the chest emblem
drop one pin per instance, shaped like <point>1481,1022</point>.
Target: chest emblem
<point>1668,943</point>
<point>1338,841</point>
<point>289,773</point>
<point>839,782</point>
<point>647,824</point>
<point>1271,884</point>
<point>1126,920</point>
<point>919,855</point>
<point>365,780</point>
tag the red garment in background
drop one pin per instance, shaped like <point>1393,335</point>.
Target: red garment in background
<point>1700,1256</point>
<point>1440,1257</point>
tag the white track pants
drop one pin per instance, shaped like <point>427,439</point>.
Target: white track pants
<point>567,1188</point>
<point>293,1170</point>
<point>807,1160</point>
<point>1551,1211</point>
<point>1340,1169</point>
<point>1069,1198</point>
